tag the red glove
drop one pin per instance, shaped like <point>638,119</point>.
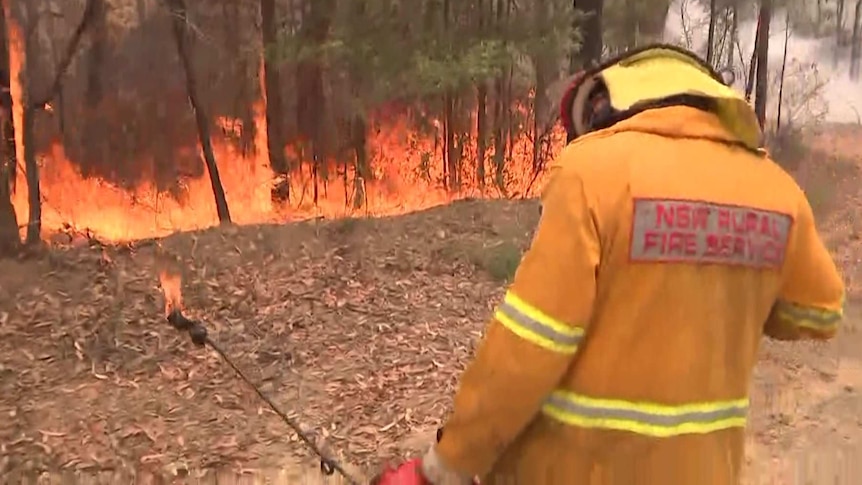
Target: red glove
<point>409,473</point>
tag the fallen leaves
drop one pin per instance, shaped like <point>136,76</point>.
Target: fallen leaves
<point>360,335</point>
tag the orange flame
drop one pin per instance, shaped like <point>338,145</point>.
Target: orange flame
<point>407,174</point>
<point>171,288</point>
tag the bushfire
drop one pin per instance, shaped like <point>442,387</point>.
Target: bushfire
<point>407,174</point>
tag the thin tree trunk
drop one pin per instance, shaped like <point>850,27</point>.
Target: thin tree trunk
<point>9,239</point>
<point>763,61</point>
<point>481,129</point>
<point>274,104</point>
<point>710,38</point>
<point>20,42</point>
<point>783,69</point>
<point>310,97</point>
<point>481,110</point>
<point>179,18</point>
<point>752,65</point>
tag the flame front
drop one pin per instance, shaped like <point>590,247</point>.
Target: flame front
<point>398,157</point>
<point>171,289</point>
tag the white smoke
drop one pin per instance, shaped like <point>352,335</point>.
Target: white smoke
<point>810,64</point>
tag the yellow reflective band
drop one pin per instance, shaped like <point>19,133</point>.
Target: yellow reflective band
<point>817,319</point>
<point>529,323</point>
<point>648,419</point>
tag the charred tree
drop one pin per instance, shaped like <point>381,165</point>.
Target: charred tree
<point>9,239</point>
<point>590,29</point>
<point>179,18</point>
<point>762,49</point>
<point>274,104</point>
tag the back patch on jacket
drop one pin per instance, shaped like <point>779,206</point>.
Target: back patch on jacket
<point>699,232</point>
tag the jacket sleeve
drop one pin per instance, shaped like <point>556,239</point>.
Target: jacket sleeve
<point>811,299</point>
<point>531,340</point>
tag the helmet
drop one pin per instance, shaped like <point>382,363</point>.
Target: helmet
<point>650,77</point>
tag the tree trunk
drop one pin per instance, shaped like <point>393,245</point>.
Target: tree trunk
<point>501,111</point>
<point>274,105</point>
<point>856,42</point>
<point>762,61</point>
<point>20,43</point>
<point>481,109</point>
<point>710,38</point>
<point>752,64</point>
<point>783,69</point>
<point>9,239</point>
<point>178,21</point>
<point>590,29</point>
<point>310,98</point>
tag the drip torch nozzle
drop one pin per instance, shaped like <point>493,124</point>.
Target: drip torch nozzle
<point>196,330</point>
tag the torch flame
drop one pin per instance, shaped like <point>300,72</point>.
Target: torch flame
<point>171,283</point>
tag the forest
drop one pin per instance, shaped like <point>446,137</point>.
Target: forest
<point>328,99</point>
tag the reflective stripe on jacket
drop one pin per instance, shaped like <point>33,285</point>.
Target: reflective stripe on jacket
<point>529,323</point>
<point>650,419</point>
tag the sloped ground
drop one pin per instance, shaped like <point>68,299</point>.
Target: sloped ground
<point>359,328</point>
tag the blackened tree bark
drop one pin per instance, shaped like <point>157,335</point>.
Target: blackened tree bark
<point>590,28</point>
<point>274,104</point>
<point>760,94</point>
<point>9,238</point>
<point>179,18</point>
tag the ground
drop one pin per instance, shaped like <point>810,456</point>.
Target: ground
<point>358,328</point>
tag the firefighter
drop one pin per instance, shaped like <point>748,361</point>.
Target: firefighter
<point>669,244</point>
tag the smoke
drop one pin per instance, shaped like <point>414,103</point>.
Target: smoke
<point>816,87</point>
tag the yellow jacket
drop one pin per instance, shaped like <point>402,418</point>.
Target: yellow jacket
<point>623,351</point>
